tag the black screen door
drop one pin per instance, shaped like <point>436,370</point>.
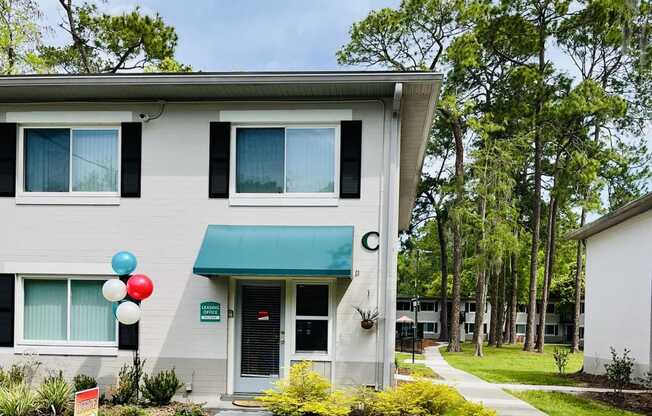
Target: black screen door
<point>260,336</point>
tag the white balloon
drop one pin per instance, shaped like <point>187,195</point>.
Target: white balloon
<point>128,313</point>
<point>114,290</point>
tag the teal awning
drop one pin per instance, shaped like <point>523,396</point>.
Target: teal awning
<point>269,250</point>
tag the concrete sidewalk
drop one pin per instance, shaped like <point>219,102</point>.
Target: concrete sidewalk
<point>477,390</point>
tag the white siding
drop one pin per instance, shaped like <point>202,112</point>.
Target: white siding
<point>618,276</point>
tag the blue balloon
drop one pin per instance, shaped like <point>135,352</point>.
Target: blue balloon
<point>114,308</point>
<point>123,263</point>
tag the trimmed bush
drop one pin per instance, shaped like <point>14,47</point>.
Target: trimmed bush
<point>18,400</point>
<point>423,398</point>
<point>160,389</point>
<point>305,392</point>
<point>55,395</point>
<point>83,382</point>
<point>131,411</point>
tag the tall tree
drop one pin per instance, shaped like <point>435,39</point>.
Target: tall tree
<point>414,37</point>
<point>104,43</point>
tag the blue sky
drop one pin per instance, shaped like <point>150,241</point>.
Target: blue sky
<point>225,35</point>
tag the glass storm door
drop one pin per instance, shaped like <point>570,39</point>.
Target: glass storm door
<point>259,341</point>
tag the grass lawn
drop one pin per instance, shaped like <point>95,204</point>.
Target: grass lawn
<point>404,360</point>
<point>563,404</point>
<point>510,364</point>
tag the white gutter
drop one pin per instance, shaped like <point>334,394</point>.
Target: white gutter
<point>389,234</point>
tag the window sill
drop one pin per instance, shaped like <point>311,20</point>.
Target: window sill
<point>26,199</point>
<point>66,350</point>
<point>306,356</point>
<point>282,202</point>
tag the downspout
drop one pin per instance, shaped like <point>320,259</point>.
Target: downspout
<point>390,234</point>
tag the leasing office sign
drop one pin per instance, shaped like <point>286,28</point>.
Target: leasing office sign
<point>209,312</point>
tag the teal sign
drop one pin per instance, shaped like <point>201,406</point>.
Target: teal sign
<point>209,312</point>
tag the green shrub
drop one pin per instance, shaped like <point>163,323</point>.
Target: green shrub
<point>131,411</point>
<point>189,409</point>
<point>561,359</point>
<point>18,400</point>
<point>362,401</point>
<point>619,371</point>
<point>83,382</point>
<point>160,389</point>
<point>305,392</point>
<point>124,392</point>
<point>19,373</point>
<point>423,398</point>
<point>55,395</point>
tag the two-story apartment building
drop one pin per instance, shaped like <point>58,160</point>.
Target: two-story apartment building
<point>277,197</point>
<point>559,323</point>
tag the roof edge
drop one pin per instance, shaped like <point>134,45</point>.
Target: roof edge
<point>219,78</point>
<point>627,211</point>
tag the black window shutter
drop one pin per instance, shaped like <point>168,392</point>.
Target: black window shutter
<point>220,154</point>
<point>132,134</point>
<point>7,310</point>
<point>128,334</point>
<point>350,158</point>
<point>7,159</point>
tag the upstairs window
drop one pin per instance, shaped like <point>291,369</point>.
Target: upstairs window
<point>427,306</point>
<point>550,308</point>
<point>70,160</point>
<point>403,305</point>
<point>285,160</point>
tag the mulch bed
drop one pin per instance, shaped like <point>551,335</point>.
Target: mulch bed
<point>600,381</point>
<point>635,402</point>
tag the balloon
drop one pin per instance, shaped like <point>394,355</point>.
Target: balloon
<point>114,309</point>
<point>139,287</point>
<point>114,290</point>
<point>123,263</point>
<point>128,313</point>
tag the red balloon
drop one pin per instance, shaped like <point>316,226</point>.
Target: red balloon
<point>139,287</point>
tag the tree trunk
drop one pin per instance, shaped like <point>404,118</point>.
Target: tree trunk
<point>443,252</point>
<point>578,288</point>
<point>480,302</point>
<point>548,272</point>
<point>536,199</point>
<point>513,304</point>
<point>493,319</point>
<point>454,344</point>
<point>500,313</point>
<point>78,43</point>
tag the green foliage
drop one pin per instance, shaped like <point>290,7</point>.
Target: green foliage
<point>561,359</point>
<point>189,409</point>
<point>160,389</point>
<point>305,392</point>
<point>55,395</point>
<point>18,400</point>
<point>563,404</point>
<point>83,382</point>
<point>23,372</point>
<point>424,398</point>
<point>101,42</point>
<point>619,371</point>
<point>127,389</point>
<point>131,411</point>
<point>19,35</point>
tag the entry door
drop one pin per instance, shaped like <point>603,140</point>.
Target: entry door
<point>259,341</point>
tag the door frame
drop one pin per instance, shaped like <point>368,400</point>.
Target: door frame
<point>280,283</point>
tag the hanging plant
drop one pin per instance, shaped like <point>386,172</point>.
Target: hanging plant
<point>368,317</point>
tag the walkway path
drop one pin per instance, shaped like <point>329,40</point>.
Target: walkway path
<point>477,390</point>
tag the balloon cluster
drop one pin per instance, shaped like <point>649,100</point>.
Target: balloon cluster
<point>139,287</point>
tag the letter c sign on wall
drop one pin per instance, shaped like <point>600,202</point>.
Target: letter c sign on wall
<point>371,246</point>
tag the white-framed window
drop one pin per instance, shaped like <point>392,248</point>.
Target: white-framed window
<point>581,332</point>
<point>285,161</point>
<point>520,329</point>
<point>470,306</point>
<point>312,318</point>
<point>427,327</point>
<point>552,329</point>
<point>469,328</point>
<point>64,311</point>
<point>65,162</point>
<point>550,308</point>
